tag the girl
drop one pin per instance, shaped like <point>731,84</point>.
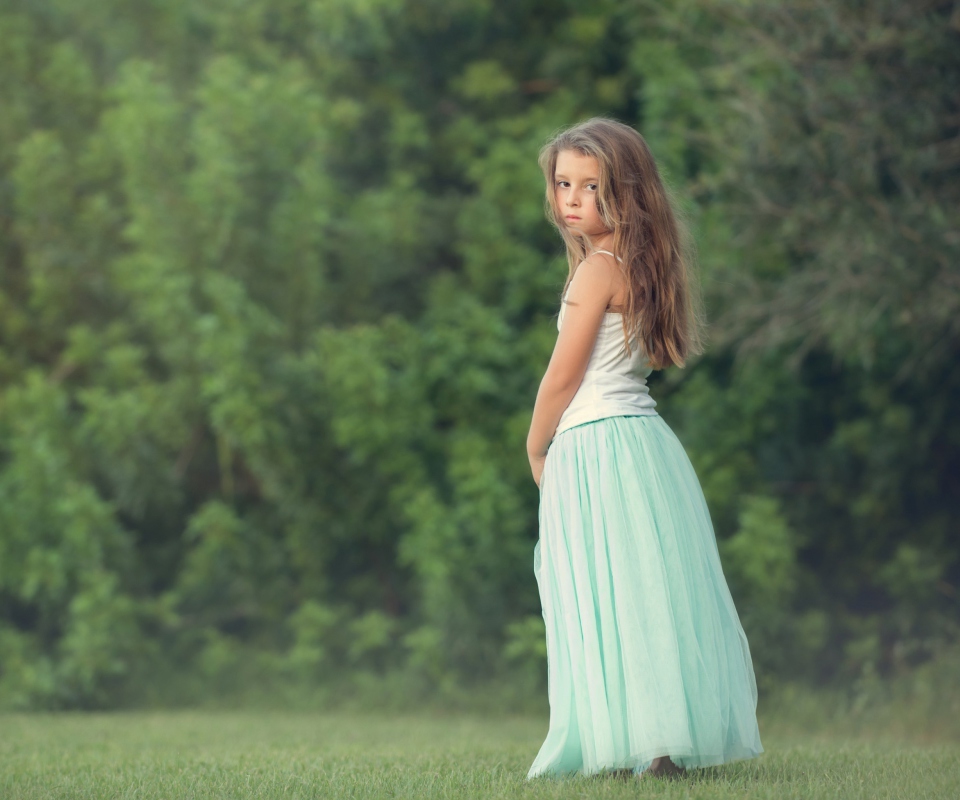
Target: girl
<point>649,670</point>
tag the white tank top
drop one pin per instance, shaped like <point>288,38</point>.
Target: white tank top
<point>615,384</point>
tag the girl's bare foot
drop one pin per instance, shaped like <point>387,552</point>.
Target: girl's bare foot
<point>663,767</point>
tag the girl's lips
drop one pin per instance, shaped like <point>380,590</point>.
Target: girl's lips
<point>571,216</point>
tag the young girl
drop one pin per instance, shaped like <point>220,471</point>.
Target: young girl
<point>649,670</point>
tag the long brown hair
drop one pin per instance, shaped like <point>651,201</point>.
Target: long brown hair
<point>662,310</point>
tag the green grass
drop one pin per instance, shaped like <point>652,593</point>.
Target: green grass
<point>286,755</point>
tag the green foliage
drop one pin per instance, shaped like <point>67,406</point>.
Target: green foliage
<point>761,555</point>
<point>276,290</point>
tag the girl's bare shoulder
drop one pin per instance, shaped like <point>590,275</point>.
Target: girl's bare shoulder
<point>593,284</point>
<point>604,273</point>
<point>599,268</point>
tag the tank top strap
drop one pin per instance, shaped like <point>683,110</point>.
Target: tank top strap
<point>608,253</point>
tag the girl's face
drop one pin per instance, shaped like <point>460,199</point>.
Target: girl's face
<point>575,184</point>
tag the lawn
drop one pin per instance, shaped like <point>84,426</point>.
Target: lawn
<point>286,755</point>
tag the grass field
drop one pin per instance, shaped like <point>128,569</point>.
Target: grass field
<point>284,755</point>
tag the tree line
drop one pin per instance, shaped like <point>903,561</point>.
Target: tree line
<point>276,291</point>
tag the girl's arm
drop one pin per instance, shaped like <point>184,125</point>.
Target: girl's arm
<point>593,286</point>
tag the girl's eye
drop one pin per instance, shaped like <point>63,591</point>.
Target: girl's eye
<point>562,184</point>
<point>592,187</point>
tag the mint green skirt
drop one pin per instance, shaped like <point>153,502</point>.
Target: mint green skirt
<point>646,656</point>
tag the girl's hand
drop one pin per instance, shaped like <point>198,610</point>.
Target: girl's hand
<point>536,466</point>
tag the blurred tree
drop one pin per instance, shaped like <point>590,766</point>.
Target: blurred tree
<point>276,291</point>
<point>835,267</point>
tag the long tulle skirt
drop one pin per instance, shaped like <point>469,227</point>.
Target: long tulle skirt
<point>646,656</point>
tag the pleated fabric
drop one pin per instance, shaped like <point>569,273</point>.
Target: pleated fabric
<point>646,655</point>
